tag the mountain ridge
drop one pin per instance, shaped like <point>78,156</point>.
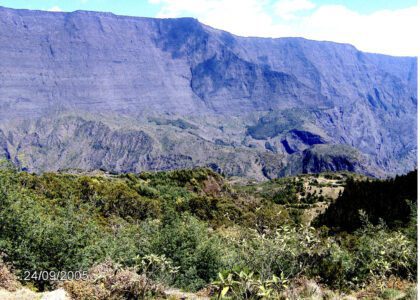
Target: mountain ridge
<point>195,19</point>
<point>181,71</point>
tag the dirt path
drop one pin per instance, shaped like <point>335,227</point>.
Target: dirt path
<point>178,294</point>
<point>27,294</point>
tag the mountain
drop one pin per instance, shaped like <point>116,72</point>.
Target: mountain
<point>88,90</point>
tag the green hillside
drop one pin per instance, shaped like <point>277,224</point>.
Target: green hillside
<point>197,231</point>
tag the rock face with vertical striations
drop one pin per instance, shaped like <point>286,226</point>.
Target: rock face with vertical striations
<point>93,90</point>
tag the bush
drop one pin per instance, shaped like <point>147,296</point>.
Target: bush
<point>243,285</point>
<point>287,250</point>
<point>336,266</point>
<point>36,239</point>
<point>118,199</point>
<point>182,223</point>
<point>41,234</point>
<point>381,253</point>
<point>109,281</point>
<point>8,280</point>
<point>187,242</point>
<point>287,194</point>
<point>373,254</point>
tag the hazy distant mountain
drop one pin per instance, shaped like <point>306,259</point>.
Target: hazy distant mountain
<point>93,90</point>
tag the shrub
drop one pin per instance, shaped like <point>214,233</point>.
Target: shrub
<point>40,234</point>
<point>8,280</point>
<point>287,250</point>
<point>336,266</point>
<point>287,194</point>
<point>381,253</point>
<point>109,281</point>
<point>243,285</point>
<point>118,199</point>
<point>156,224</point>
<point>373,254</point>
<point>187,242</point>
<point>36,236</point>
<point>157,268</point>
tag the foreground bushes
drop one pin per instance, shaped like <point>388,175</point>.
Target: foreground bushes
<point>372,254</point>
<point>110,281</point>
<point>185,229</point>
<point>189,244</point>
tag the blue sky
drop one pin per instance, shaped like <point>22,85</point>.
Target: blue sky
<point>124,7</point>
<point>146,8</point>
<point>384,26</point>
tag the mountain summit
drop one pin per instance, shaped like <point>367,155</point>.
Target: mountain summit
<point>87,90</point>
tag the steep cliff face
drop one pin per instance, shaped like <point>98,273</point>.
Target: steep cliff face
<point>271,100</point>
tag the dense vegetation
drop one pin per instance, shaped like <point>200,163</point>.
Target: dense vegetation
<point>193,229</point>
<point>391,201</point>
<point>275,123</point>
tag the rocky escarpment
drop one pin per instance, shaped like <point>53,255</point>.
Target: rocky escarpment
<point>169,93</point>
